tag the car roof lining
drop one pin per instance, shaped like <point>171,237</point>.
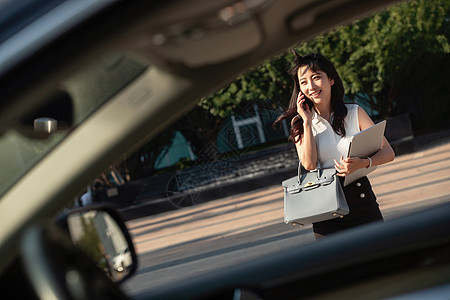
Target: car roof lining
<point>266,35</point>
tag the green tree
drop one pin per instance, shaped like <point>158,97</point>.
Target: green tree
<point>376,56</point>
<point>267,81</point>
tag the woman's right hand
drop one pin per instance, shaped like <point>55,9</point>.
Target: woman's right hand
<point>303,109</point>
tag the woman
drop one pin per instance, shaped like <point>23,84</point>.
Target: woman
<point>321,127</point>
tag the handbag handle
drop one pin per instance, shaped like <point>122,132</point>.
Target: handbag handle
<point>300,173</point>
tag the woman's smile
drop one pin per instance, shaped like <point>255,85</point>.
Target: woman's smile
<point>315,94</point>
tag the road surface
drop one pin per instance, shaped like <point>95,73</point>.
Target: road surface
<point>186,242</point>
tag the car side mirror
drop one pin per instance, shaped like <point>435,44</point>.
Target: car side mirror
<point>100,232</point>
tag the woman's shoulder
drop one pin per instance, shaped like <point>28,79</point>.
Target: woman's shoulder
<point>351,106</point>
<point>352,120</point>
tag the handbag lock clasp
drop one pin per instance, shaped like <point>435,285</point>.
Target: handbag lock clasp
<point>308,184</point>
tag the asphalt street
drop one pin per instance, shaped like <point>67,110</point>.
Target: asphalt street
<point>186,242</point>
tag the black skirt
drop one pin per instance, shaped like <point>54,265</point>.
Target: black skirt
<point>363,209</point>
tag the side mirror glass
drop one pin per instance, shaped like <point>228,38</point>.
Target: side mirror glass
<point>103,235</point>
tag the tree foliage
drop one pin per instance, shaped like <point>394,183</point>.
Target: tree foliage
<point>377,57</point>
<point>267,81</point>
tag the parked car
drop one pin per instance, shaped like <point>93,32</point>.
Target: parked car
<point>122,260</point>
<point>83,82</point>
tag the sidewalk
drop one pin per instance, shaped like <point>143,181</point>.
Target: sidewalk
<point>419,171</point>
<point>413,181</point>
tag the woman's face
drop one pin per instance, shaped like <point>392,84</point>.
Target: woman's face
<point>315,85</point>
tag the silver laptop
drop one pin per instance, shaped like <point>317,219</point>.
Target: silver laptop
<point>364,144</point>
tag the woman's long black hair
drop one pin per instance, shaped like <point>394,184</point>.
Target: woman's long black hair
<point>315,62</point>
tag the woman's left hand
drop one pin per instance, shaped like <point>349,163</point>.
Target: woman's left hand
<point>348,165</point>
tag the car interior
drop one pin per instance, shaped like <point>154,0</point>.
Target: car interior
<point>113,74</point>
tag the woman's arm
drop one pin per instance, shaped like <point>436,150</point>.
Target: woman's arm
<point>386,154</point>
<point>306,148</point>
<point>306,144</point>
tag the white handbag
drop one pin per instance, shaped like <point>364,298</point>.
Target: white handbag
<point>313,196</point>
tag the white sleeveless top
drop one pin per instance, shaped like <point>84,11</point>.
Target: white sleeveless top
<point>329,144</point>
